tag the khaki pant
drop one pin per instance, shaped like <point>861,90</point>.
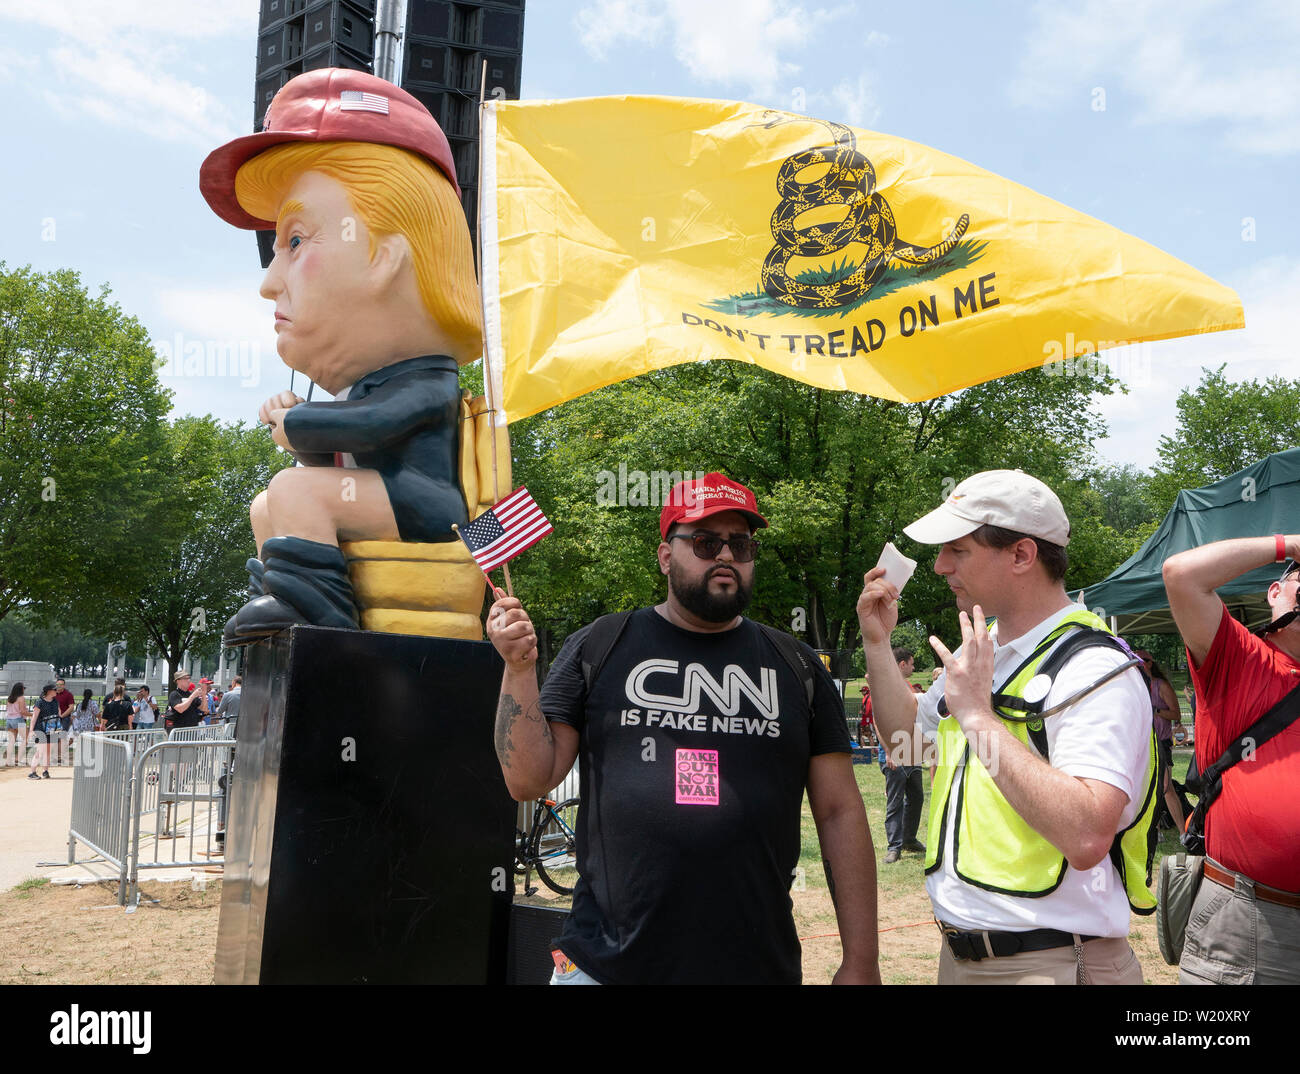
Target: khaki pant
<point>1107,961</point>
<point>1233,938</point>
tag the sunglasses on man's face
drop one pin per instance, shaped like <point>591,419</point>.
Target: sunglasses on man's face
<point>708,545</point>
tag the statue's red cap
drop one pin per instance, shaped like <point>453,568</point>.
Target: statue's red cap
<point>328,105</point>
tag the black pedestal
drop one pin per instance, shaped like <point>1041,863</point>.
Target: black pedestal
<point>370,836</point>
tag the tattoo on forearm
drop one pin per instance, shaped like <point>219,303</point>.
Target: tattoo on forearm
<point>507,712</point>
<point>534,713</point>
<point>830,881</point>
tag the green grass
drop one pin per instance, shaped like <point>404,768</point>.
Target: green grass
<point>26,887</point>
<point>895,277</point>
<point>871,782</point>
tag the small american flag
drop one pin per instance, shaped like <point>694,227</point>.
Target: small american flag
<point>502,532</point>
<point>360,101</point>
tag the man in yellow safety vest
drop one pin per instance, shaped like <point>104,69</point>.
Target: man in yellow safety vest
<point>1040,832</point>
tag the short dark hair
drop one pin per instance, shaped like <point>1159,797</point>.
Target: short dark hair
<point>1051,556</point>
<point>901,653</point>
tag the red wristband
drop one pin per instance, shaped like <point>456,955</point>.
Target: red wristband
<point>1281,547</point>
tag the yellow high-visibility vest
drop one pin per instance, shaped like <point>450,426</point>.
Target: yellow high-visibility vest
<point>994,848</point>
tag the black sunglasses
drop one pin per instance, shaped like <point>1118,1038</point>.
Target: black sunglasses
<point>708,545</point>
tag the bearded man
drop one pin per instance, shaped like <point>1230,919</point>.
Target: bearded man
<point>697,732</point>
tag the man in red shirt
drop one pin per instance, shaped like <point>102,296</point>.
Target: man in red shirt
<point>66,704</point>
<point>1245,924</point>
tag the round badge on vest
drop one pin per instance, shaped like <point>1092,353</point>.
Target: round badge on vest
<point>1037,688</point>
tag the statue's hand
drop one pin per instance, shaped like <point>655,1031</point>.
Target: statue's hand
<point>276,422</point>
<point>281,403</point>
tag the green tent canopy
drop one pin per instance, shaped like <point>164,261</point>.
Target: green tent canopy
<point>1261,500</point>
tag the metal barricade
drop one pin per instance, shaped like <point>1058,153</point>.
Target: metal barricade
<point>141,738</point>
<point>178,805</point>
<point>216,732</point>
<point>101,801</point>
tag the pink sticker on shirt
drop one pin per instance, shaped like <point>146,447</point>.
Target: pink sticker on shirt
<point>697,777</point>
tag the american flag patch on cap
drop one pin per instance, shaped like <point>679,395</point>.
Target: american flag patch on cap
<point>360,101</point>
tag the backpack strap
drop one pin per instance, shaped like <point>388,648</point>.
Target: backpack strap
<point>795,656</point>
<point>1273,722</point>
<point>599,643</point>
<point>1083,638</point>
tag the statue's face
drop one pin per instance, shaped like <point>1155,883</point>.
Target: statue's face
<point>320,281</point>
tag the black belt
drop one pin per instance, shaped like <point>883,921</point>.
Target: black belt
<point>973,946</point>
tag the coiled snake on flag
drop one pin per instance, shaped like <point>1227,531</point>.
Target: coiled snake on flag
<point>849,180</point>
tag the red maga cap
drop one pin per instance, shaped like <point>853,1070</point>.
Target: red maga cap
<point>691,501</point>
<point>328,105</point>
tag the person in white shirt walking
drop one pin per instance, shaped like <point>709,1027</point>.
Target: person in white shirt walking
<point>1043,793</point>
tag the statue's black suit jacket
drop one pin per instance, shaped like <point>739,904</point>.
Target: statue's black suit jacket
<point>402,421</point>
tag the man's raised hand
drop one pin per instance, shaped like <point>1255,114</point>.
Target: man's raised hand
<point>877,607</point>
<point>511,631</point>
<point>968,678</point>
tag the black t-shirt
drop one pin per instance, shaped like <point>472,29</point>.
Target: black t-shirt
<point>117,711</point>
<point>190,717</point>
<point>47,716</point>
<point>694,758</point>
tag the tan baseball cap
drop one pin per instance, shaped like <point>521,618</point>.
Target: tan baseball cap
<point>1011,499</point>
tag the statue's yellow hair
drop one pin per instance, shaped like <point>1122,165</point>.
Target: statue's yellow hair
<point>394,192</point>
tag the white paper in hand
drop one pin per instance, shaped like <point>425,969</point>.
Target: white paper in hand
<point>898,568</point>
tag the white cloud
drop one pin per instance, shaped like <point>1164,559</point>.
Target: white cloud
<point>1176,62</point>
<point>1265,348</point>
<point>14,63</point>
<point>233,328</point>
<point>609,22</point>
<point>126,63</point>
<point>746,43</point>
<point>97,21</point>
<point>854,102</point>
<point>117,90</point>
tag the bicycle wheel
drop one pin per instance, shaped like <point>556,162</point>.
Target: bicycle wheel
<point>557,855</point>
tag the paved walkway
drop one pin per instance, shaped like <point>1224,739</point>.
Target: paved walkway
<point>34,829</point>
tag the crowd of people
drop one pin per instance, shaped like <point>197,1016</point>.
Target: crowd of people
<point>1048,742</point>
<point>44,734</point>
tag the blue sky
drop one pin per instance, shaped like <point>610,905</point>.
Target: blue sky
<point>113,106</point>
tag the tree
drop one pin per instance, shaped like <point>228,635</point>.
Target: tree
<point>187,574</point>
<point>837,474</point>
<point>1123,494</point>
<point>24,635</point>
<point>1223,427</point>
<point>80,415</point>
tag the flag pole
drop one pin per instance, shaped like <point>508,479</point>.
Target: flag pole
<point>491,584</point>
<point>478,239</point>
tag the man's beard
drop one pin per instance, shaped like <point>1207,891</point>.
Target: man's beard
<point>711,607</point>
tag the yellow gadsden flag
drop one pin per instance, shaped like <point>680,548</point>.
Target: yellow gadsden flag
<point>624,234</point>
